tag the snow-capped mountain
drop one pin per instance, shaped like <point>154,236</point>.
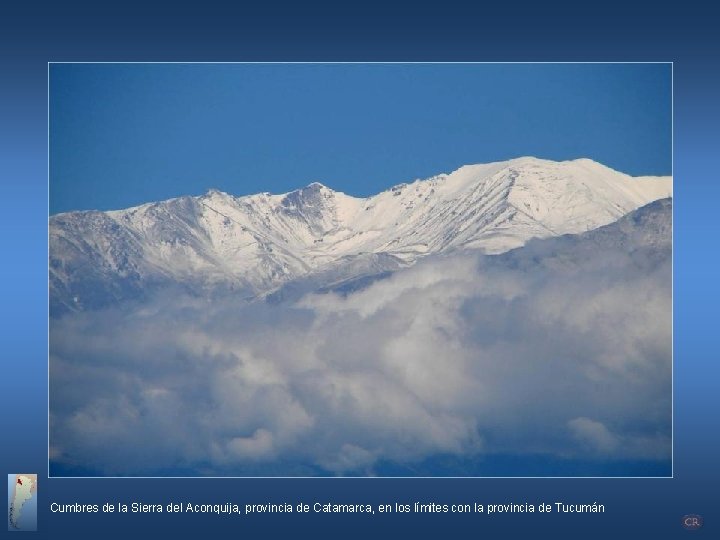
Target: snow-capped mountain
<point>253,245</point>
<point>641,238</point>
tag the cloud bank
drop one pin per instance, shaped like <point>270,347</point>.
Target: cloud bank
<point>549,350</point>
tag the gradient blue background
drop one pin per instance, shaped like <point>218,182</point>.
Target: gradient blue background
<point>649,508</point>
<point>125,134</point>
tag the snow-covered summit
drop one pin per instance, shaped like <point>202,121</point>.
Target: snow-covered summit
<point>253,244</point>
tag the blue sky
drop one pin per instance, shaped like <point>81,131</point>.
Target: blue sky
<point>124,134</point>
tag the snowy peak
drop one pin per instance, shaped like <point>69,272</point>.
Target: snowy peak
<point>313,207</point>
<point>314,197</point>
<point>316,186</point>
<point>213,192</point>
<point>253,244</point>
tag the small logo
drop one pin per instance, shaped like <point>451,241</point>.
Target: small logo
<point>692,522</point>
<point>22,502</point>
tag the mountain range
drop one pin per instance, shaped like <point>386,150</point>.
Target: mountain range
<point>275,246</point>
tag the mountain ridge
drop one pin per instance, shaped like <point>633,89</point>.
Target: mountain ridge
<point>252,244</point>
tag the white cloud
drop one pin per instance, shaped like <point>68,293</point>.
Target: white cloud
<point>594,434</point>
<point>456,356</point>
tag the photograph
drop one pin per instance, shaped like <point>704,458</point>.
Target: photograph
<point>360,269</point>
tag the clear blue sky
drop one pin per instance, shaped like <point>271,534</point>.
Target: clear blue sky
<point>124,134</point>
